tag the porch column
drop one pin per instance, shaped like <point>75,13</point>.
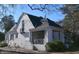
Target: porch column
<point>50,38</point>
<point>14,36</point>
<point>31,37</point>
<point>9,36</point>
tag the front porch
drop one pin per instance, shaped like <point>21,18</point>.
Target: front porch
<point>37,37</point>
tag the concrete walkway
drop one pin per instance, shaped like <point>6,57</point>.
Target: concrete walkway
<point>8,50</point>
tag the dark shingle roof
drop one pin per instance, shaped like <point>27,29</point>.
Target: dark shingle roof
<point>36,21</point>
<point>52,23</point>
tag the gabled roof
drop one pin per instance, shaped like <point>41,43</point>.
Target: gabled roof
<point>36,21</point>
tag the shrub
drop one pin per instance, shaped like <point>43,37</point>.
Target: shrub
<point>3,44</point>
<point>2,36</point>
<point>55,46</point>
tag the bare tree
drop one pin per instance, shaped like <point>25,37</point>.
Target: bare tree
<point>6,8</point>
<point>45,8</point>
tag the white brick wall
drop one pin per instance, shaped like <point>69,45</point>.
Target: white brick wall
<point>24,42</point>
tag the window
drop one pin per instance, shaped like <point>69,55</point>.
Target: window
<point>11,36</point>
<point>37,37</point>
<point>22,29</point>
<point>56,34</point>
<point>16,35</point>
<point>59,35</point>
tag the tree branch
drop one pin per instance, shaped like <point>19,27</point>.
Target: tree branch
<point>40,9</point>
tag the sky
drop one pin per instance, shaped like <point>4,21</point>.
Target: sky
<point>55,16</point>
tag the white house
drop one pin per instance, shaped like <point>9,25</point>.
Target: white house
<point>32,32</point>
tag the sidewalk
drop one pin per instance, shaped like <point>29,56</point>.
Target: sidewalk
<point>19,51</point>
